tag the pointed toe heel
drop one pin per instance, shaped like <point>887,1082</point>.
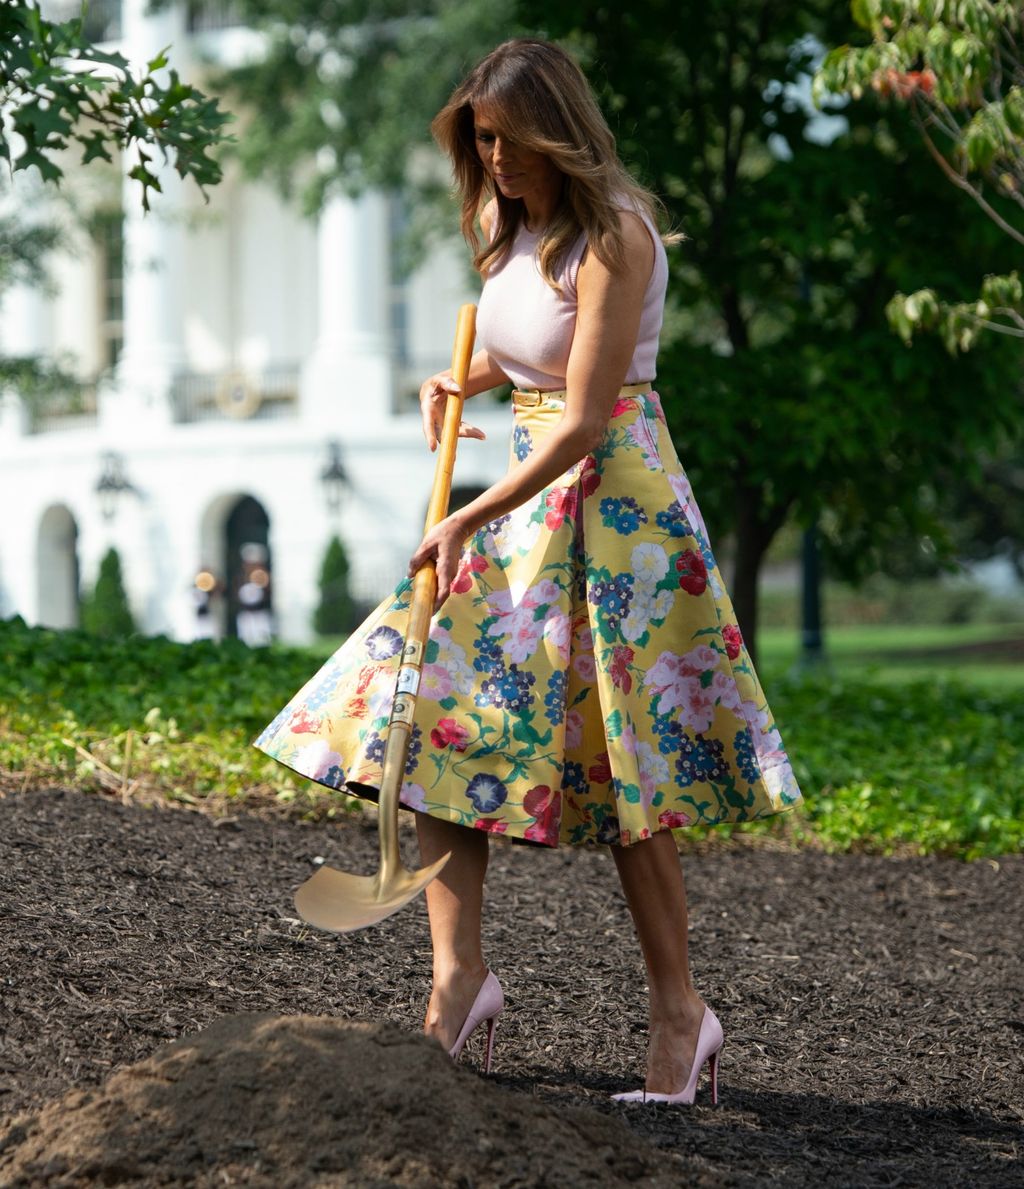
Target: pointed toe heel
<point>487,1006</point>
<point>710,1040</point>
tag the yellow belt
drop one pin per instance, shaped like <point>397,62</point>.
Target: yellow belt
<point>528,398</point>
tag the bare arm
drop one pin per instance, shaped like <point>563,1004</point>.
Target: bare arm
<point>484,374</point>
<point>607,324</point>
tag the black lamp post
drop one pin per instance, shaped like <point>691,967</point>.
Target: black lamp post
<point>334,477</point>
<point>812,651</point>
<point>112,484</point>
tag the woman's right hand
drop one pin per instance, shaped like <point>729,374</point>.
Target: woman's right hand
<point>433,402</point>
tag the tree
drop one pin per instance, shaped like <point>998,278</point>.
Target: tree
<point>785,390</point>
<point>987,512</point>
<point>959,71</point>
<point>343,93</point>
<point>335,614</point>
<point>23,252</point>
<point>56,88</point>
<point>107,612</point>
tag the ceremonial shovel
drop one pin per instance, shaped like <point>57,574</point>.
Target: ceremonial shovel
<point>335,900</point>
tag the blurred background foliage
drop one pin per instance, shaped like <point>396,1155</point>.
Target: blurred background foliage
<point>58,90</point>
<point>898,760</point>
<point>789,396</point>
<point>790,399</point>
<point>958,69</point>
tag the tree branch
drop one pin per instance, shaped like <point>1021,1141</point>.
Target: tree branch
<point>951,128</point>
<point>962,183</point>
<point>1016,332</point>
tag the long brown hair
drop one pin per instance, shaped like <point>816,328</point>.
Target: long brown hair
<point>538,97</point>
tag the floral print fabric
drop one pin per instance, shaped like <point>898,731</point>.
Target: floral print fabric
<point>585,681</point>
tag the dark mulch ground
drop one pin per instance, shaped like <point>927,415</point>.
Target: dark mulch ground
<point>872,1007</point>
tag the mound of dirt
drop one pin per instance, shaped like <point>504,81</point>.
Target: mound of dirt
<point>313,1101</point>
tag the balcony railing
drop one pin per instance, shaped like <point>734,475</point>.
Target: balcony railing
<point>72,410</point>
<point>236,395</point>
<point>207,15</point>
<point>102,18</point>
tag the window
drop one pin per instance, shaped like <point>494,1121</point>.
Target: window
<point>109,232</point>
<point>101,20</point>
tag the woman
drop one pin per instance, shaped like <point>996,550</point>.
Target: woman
<point>585,680</point>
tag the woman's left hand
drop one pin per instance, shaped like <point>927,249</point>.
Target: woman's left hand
<point>442,545</point>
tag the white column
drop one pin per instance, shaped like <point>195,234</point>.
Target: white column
<point>26,321</point>
<point>153,248</point>
<point>347,381</point>
<point>26,332</point>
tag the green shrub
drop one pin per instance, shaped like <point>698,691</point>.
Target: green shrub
<point>106,612</point>
<point>933,765</point>
<point>335,614</point>
<point>930,765</point>
<point>147,714</point>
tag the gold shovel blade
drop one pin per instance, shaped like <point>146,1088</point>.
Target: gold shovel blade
<point>341,903</point>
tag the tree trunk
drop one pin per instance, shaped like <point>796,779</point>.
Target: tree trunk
<point>755,531</point>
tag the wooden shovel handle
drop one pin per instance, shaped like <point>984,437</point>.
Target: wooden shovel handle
<point>424,589</point>
<point>462,352</point>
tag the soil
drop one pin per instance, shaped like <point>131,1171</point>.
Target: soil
<point>165,1019</point>
<point>308,1100</point>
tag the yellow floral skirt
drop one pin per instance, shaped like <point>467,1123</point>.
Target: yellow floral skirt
<point>586,680</point>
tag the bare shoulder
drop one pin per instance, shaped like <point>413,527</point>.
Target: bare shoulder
<point>638,261</point>
<point>636,236</point>
<point>488,216</point>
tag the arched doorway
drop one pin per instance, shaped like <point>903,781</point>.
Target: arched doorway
<point>248,570</point>
<point>57,574</point>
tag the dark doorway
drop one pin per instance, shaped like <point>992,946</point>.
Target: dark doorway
<point>247,543</point>
<point>57,574</point>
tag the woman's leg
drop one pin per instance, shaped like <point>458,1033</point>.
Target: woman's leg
<point>652,880</point>
<point>454,905</point>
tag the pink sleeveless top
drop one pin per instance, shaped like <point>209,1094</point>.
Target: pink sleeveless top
<point>527,328</point>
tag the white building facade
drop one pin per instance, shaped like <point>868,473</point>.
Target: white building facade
<point>239,350</point>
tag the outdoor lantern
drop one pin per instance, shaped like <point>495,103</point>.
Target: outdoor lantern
<point>334,477</point>
<point>111,484</point>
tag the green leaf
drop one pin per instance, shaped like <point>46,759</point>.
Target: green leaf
<point>95,146</point>
<point>47,169</point>
<point>863,12</point>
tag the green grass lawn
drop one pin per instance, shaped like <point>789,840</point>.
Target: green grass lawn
<point>918,750</point>
<point>894,652</point>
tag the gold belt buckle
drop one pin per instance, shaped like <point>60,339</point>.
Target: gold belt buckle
<point>527,398</point>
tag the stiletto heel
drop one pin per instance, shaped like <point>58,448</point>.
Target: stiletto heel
<point>492,1023</point>
<point>709,1044</point>
<point>487,1006</point>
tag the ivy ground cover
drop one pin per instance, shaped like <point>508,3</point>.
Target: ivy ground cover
<point>929,765</point>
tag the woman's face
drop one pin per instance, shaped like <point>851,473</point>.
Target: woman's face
<point>518,172</point>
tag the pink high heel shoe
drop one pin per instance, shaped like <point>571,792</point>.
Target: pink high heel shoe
<point>709,1044</point>
<point>488,1005</point>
